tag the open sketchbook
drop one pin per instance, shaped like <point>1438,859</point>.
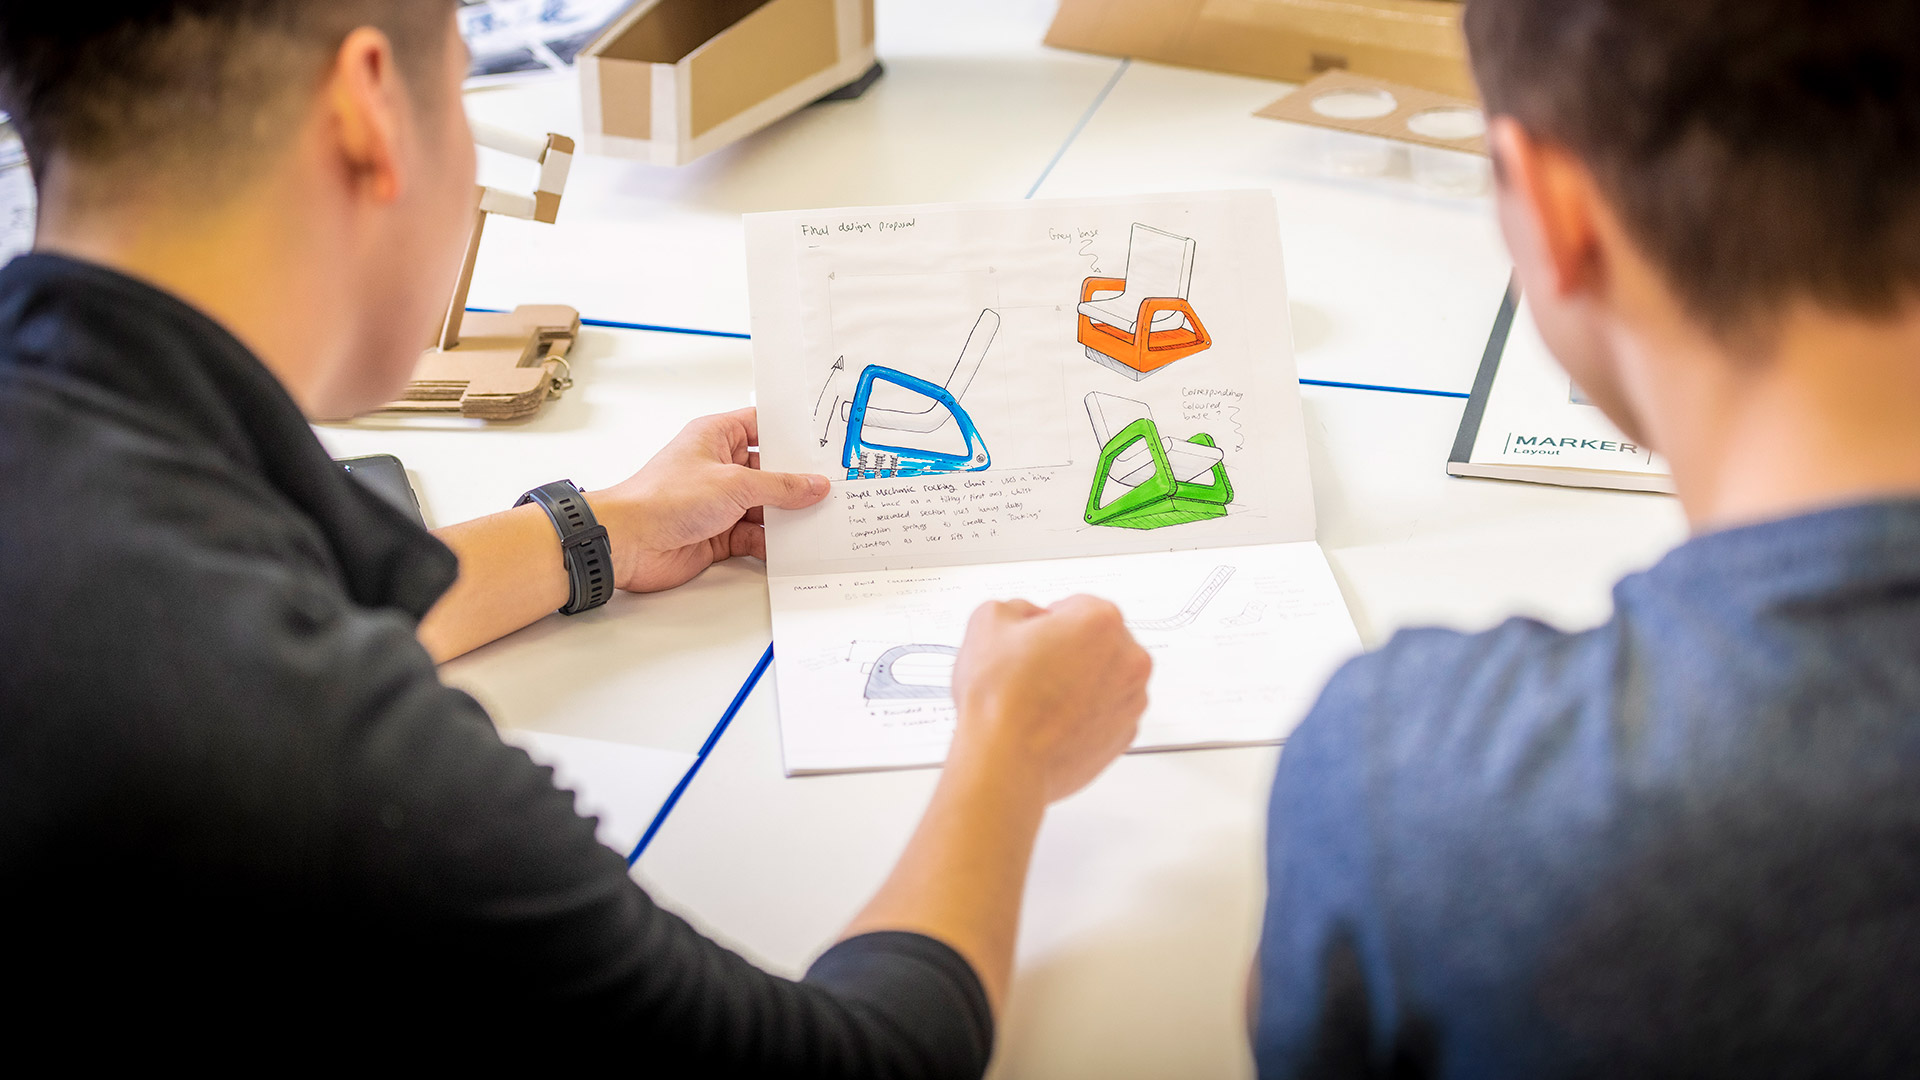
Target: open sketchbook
<point>1034,400</point>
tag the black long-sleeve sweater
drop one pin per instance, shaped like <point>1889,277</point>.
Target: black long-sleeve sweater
<point>236,799</point>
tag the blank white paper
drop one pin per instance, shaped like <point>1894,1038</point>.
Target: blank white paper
<point>623,786</point>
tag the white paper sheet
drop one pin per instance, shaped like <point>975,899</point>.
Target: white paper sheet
<point>1242,639</point>
<point>1536,416</point>
<point>623,786</point>
<point>1035,399</point>
<point>836,292</point>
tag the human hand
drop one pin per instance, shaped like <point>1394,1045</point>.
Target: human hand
<point>1056,691</point>
<point>698,502</point>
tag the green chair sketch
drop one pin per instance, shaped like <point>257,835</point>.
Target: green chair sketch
<point>1145,480</point>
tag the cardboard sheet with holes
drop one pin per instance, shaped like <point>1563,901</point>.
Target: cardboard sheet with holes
<point>1033,400</point>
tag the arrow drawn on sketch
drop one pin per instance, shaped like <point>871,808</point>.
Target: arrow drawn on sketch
<point>1087,252</point>
<point>1240,435</point>
<point>839,366</point>
<point>827,431</point>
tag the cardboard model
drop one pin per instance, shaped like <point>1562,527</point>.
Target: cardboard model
<point>500,365</point>
<point>672,80</point>
<point>1416,42</point>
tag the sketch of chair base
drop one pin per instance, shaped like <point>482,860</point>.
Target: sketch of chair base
<point>1164,481</point>
<point>912,673</point>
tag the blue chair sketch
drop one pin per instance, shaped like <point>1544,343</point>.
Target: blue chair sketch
<point>867,456</point>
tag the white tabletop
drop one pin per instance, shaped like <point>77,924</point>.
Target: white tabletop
<point>1143,905</point>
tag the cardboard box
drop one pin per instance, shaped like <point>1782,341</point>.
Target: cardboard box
<point>1414,42</point>
<point>672,80</point>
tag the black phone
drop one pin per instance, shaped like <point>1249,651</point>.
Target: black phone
<point>387,478</point>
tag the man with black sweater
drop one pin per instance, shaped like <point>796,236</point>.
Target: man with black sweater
<point>235,799</point>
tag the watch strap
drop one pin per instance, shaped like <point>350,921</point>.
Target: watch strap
<point>583,544</point>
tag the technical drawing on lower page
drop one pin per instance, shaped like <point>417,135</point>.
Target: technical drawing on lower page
<point>1252,613</point>
<point>911,673</point>
<point>1195,605</point>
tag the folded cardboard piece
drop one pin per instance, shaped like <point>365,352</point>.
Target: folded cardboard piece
<point>672,80</point>
<point>1344,101</point>
<point>1415,42</point>
<point>504,366</point>
<point>500,365</point>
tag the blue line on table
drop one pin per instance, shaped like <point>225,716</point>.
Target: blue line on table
<point>739,699</point>
<point>1085,119</point>
<point>1385,389</point>
<point>748,337</point>
<point>612,324</point>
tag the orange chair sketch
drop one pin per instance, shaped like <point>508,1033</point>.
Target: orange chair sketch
<point>1140,323</point>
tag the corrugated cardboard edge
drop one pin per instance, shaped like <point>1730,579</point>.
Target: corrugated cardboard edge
<point>1297,108</point>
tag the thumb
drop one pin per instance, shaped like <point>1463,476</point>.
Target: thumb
<point>787,491</point>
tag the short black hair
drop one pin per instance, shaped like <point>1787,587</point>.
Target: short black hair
<point>1761,151</point>
<point>167,83</point>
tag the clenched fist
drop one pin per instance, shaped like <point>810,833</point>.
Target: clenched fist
<point>1056,692</point>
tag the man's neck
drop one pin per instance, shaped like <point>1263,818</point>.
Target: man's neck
<point>1829,415</point>
<point>237,263</point>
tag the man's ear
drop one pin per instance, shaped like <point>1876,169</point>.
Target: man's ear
<point>368,102</point>
<point>1547,211</point>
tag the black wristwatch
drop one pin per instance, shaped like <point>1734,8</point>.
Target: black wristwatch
<point>583,543</point>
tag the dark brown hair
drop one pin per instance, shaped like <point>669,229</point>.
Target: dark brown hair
<point>1760,151</point>
<point>162,84</point>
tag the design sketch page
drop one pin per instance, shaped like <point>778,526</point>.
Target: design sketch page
<point>1242,641</point>
<point>1028,381</point>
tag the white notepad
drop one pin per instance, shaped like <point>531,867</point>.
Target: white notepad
<point>1526,420</point>
<point>1032,400</point>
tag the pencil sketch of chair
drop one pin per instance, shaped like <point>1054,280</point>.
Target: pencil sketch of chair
<point>1154,481</point>
<point>932,418</point>
<point>1196,604</point>
<point>1141,322</point>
